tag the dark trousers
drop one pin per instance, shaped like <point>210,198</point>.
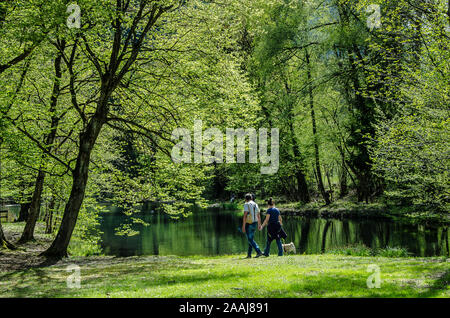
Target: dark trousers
<point>250,232</point>
<point>269,242</point>
<point>273,230</point>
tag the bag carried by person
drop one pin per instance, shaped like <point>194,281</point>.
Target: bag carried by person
<point>249,219</point>
<point>282,234</point>
<point>276,231</point>
<point>251,215</point>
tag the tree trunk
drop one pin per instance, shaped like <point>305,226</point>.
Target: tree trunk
<point>314,127</point>
<point>302,187</point>
<point>327,173</point>
<point>28,232</point>
<point>315,176</point>
<point>23,212</point>
<point>88,138</point>
<point>302,192</point>
<point>343,181</point>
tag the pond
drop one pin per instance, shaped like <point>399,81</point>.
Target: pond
<point>215,232</point>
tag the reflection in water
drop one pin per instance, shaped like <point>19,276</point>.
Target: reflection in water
<point>214,232</point>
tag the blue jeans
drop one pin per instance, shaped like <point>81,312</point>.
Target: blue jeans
<point>250,232</point>
<point>269,241</point>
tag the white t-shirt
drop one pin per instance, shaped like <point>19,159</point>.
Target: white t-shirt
<point>252,207</point>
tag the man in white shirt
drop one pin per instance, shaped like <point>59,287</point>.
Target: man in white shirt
<point>250,222</point>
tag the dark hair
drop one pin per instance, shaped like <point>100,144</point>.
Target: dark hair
<point>270,202</point>
<point>248,197</point>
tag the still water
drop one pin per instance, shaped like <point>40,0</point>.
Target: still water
<point>214,232</point>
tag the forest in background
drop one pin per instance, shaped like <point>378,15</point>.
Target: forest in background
<point>87,114</point>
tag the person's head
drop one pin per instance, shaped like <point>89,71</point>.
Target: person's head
<point>248,197</point>
<point>270,202</point>
<point>253,196</point>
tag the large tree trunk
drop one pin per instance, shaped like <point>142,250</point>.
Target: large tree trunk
<point>314,128</point>
<point>80,177</point>
<point>28,232</point>
<point>23,212</point>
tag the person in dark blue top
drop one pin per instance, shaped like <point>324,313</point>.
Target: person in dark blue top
<point>274,222</point>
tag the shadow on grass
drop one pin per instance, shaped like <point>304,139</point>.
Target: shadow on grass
<point>331,286</point>
<point>439,285</point>
<point>138,282</point>
<point>26,281</point>
<point>38,281</point>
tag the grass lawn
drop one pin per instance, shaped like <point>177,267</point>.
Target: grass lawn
<point>233,276</point>
<point>24,274</point>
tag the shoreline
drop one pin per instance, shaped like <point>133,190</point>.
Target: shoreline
<point>352,210</point>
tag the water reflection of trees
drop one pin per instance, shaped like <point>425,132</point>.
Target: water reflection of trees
<point>216,233</point>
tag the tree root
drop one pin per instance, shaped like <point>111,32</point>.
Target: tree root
<point>7,245</point>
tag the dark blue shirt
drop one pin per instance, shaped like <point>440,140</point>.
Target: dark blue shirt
<point>274,214</point>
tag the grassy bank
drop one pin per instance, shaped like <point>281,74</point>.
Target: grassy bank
<point>349,208</point>
<point>233,276</point>
<point>345,208</point>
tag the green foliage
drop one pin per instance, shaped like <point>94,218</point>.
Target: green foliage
<point>86,237</point>
<point>369,108</point>
<point>185,71</point>
<point>411,148</point>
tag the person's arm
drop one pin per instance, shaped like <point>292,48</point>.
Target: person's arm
<point>243,221</point>
<point>280,219</point>
<point>246,210</point>
<point>265,221</point>
<point>258,216</point>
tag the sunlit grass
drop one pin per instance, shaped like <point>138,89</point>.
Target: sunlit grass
<point>233,276</point>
